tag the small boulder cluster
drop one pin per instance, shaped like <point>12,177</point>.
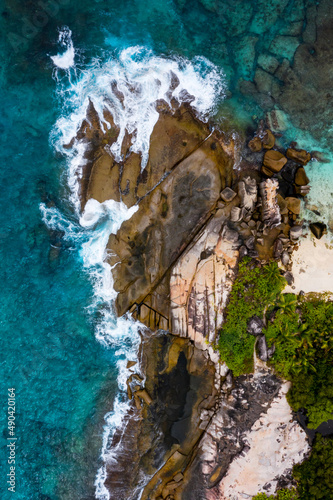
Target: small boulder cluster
<point>265,206</point>
<point>255,327</point>
<point>288,168</point>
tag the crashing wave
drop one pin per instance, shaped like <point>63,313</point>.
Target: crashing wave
<point>127,85</point>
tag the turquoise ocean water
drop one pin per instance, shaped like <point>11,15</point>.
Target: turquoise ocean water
<point>60,345</point>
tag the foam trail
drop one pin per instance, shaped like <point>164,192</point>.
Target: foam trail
<point>89,237</point>
<point>65,60</point>
<point>128,86</point>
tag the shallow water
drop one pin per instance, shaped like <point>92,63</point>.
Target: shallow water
<point>51,309</point>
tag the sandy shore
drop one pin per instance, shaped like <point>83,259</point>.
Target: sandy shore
<point>313,266</point>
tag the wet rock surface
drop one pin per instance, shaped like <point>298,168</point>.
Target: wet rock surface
<point>161,436</point>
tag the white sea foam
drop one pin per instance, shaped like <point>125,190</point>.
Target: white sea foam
<point>141,78</point>
<point>65,58</point>
<point>90,236</point>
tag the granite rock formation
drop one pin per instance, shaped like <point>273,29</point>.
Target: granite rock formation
<point>173,265</point>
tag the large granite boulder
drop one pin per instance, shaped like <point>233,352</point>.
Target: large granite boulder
<point>201,280</point>
<point>274,161</point>
<point>187,169</point>
<point>174,138</point>
<point>318,229</point>
<point>168,218</point>
<point>298,155</point>
<point>301,179</point>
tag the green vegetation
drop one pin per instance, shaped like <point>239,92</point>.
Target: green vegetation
<point>254,290</point>
<point>284,494</point>
<point>301,330</point>
<point>315,475</point>
<point>302,333</point>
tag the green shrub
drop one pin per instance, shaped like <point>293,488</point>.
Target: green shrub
<point>284,494</point>
<point>315,475</point>
<point>255,288</point>
<point>284,333</point>
<point>304,354</point>
<point>314,392</point>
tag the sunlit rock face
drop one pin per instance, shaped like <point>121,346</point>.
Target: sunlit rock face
<point>201,281</point>
<point>176,196</point>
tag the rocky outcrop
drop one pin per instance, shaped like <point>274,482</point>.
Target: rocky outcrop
<point>175,136</point>
<point>255,326</point>
<point>173,265</point>
<point>270,209</point>
<point>160,432</point>
<point>147,246</point>
<point>201,281</point>
<point>273,445</point>
<point>238,410</point>
<point>198,426</point>
<point>179,188</point>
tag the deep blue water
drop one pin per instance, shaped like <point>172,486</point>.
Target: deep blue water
<point>65,380</point>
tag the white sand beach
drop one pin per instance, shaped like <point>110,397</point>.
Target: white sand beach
<point>313,265</point>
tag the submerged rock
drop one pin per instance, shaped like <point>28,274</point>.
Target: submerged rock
<point>255,144</point>
<point>268,140</point>
<point>298,155</point>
